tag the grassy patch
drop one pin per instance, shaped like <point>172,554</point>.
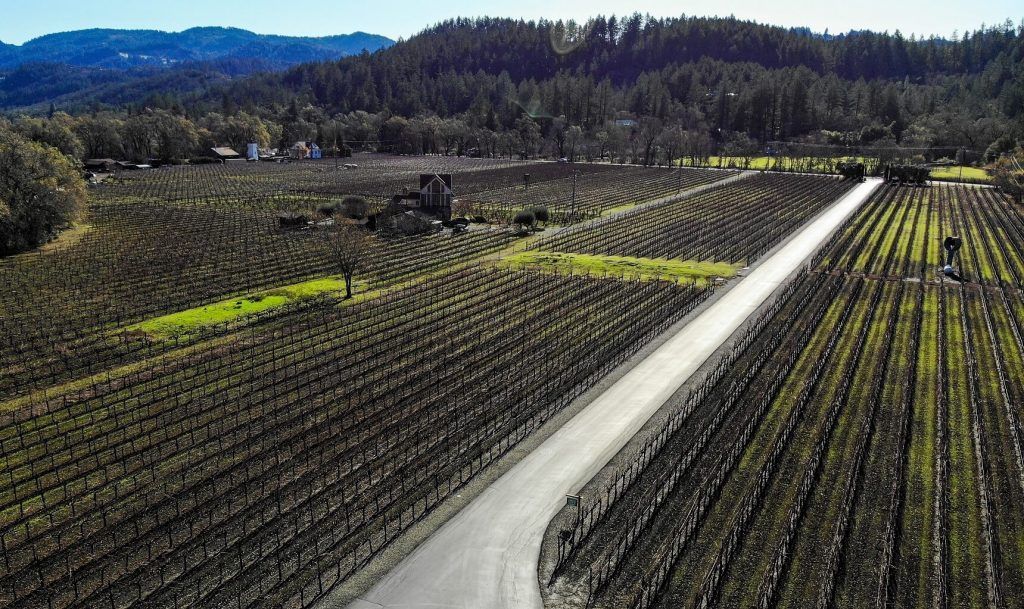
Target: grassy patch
<point>957,173</point>
<point>64,240</point>
<point>967,564</point>
<point>67,238</point>
<point>764,162</point>
<point>760,163</point>
<point>641,268</point>
<point>618,209</point>
<point>190,321</point>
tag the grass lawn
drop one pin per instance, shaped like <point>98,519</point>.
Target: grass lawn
<point>970,174</point>
<point>642,268</point>
<point>191,320</point>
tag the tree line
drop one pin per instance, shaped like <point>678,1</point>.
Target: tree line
<point>632,89</point>
<point>626,86</point>
<point>721,76</point>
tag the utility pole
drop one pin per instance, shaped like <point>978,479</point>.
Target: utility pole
<point>572,204</point>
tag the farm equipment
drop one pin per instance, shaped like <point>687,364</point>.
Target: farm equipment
<point>952,246</point>
<point>907,174</point>
<point>851,171</point>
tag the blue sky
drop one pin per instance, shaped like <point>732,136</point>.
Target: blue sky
<point>23,20</point>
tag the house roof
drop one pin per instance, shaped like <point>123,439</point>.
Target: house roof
<point>224,151</point>
<point>427,178</point>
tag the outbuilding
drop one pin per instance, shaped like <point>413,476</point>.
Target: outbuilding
<point>225,154</point>
<point>100,165</point>
<point>305,150</point>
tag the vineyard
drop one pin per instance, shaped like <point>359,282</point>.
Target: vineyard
<point>494,190</point>
<point>163,241</point>
<point>859,446</point>
<point>288,185</point>
<point>258,460</point>
<point>265,470</point>
<point>735,222</point>
<point>992,229</point>
<point>590,195</point>
<point>69,311</point>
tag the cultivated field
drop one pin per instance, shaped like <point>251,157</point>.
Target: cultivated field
<point>859,447</point>
<point>494,189</point>
<point>266,468</point>
<point>71,311</point>
<point>192,416</point>
<point>736,223</point>
<point>950,173</point>
<point>303,184</point>
<point>597,191</point>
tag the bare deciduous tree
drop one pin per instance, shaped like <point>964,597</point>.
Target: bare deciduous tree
<point>350,251</point>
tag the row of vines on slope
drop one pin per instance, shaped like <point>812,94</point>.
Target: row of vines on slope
<point>861,446</point>
<point>264,471</point>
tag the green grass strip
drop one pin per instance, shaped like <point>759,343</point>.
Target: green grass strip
<point>953,173</point>
<point>957,173</point>
<point>190,321</point>
<point>638,268</point>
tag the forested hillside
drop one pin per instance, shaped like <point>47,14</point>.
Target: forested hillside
<point>631,89</point>
<point>762,81</point>
<point>81,69</point>
<point>106,48</point>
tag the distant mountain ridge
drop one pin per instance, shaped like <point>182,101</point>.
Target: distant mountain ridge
<point>125,49</point>
<point>106,66</point>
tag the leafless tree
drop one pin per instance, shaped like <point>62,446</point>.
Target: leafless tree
<point>650,129</point>
<point>350,250</point>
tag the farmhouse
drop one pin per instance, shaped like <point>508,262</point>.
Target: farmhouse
<point>305,150</point>
<point>434,198</point>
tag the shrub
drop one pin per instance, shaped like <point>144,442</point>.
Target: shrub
<point>354,207</point>
<point>525,219</point>
<point>541,214</point>
<point>327,209</point>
